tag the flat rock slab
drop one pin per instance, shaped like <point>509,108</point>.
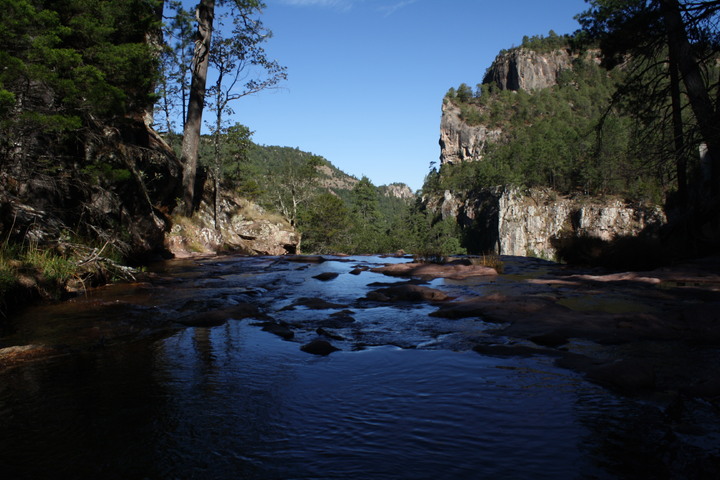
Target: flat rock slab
<point>16,355</point>
<point>404,293</point>
<point>432,270</point>
<point>548,322</point>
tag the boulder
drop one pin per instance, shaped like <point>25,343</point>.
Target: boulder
<point>319,347</point>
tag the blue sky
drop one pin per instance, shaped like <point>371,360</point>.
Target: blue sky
<point>366,78</point>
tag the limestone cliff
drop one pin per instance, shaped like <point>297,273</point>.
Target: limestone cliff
<point>460,142</point>
<point>524,69</point>
<point>506,221</point>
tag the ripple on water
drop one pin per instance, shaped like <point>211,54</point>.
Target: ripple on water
<point>380,413</point>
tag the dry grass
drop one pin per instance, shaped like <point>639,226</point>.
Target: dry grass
<point>492,261</point>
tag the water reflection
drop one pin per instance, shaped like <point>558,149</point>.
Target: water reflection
<point>234,402</point>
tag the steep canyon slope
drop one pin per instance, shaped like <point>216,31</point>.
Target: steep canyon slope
<point>512,172</point>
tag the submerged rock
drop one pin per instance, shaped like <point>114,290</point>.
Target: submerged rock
<point>550,339</point>
<point>627,376</point>
<point>406,292</point>
<point>325,276</point>
<point>326,333</point>
<point>304,258</point>
<point>213,318</point>
<point>204,319</point>
<point>282,331</point>
<point>314,304</point>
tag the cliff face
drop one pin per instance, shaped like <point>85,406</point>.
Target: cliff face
<point>503,220</point>
<point>460,142</point>
<point>517,69</point>
<point>507,222</point>
<point>522,69</point>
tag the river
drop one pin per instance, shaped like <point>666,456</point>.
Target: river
<point>404,397</point>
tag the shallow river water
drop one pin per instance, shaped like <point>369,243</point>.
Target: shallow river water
<point>405,397</point>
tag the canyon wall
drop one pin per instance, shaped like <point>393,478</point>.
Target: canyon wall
<point>508,221</point>
<point>523,69</point>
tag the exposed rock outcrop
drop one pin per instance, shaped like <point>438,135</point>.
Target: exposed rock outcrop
<point>507,221</point>
<point>131,177</point>
<point>242,226</point>
<point>334,179</point>
<point>524,69</point>
<point>460,142</point>
<point>516,69</point>
<point>397,190</point>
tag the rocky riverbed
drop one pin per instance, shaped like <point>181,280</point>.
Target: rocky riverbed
<point>652,336</point>
<point>635,331</point>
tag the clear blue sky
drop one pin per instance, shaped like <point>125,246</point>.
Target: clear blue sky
<point>366,78</point>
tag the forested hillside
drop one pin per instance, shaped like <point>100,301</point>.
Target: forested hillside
<point>573,137</point>
<point>335,212</point>
<point>624,110</point>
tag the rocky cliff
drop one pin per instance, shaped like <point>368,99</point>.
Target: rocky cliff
<point>397,190</point>
<point>524,69</point>
<point>118,199</point>
<point>516,69</point>
<point>460,142</point>
<point>507,221</point>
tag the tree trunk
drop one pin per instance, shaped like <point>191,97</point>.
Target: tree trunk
<point>678,139</point>
<point>204,13</point>
<point>695,86</point>
<point>216,159</point>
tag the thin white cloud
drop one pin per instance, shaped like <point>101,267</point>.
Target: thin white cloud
<point>384,6</point>
<point>390,9</point>
<point>319,3</point>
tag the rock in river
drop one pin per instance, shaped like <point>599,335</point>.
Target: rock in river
<point>325,276</point>
<point>319,347</point>
<point>405,292</point>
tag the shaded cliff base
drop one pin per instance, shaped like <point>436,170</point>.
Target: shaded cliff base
<point>689,234</point>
